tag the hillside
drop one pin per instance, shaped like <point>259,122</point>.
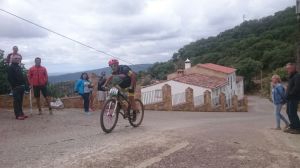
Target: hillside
<point>264,44</point>
<point>76,75</point>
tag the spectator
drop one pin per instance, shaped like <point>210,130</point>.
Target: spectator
<point>15,53</point>
<point>38,79</point>
<point>101,90</point>
<point>9,59</point>
<point>83,86</point>
<point>293,97</point>
<point>17,83</point>
<point>278,97</point>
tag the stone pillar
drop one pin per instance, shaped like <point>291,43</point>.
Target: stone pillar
<point>235,103</point>
<point>245,104</point>
<point>167,97</point>
<point>189,98</point>
<point>138,92</point>
<point>222,102</point>
<point>93,99</point>
<point>207,101</point>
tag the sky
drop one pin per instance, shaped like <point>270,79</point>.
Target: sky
<point>138,31</point>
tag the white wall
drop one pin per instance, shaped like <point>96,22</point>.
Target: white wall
<point>176,87</point>
<point>240,89</point>
<point>231,88</point>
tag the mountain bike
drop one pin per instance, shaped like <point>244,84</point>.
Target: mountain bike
<point>118,103</point>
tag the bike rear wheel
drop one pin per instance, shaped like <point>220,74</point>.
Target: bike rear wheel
<point>136,118</point>
<point>109,115</point>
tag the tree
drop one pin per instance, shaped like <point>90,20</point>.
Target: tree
<point>263,44</point>
<point>4,85</point>
<point>248,68</point>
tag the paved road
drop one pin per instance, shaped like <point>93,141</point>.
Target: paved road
<point>166,139</point>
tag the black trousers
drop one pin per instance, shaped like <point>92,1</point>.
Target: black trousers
<point>86,101</point>
<point>292,107</point>
<point>18,94</point>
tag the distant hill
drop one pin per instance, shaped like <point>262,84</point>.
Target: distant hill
<point>76,75</point>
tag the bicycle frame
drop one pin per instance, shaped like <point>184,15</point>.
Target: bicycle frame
<point>115,93</point>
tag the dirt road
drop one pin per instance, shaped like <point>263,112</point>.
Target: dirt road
<point>166,139</point>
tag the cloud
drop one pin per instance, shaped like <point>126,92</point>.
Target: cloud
<point>139,31</point>
<point>12,27</point>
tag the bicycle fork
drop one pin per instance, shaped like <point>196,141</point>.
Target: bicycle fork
<point>115,108</point>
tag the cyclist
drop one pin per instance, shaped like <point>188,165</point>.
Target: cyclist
<point>126,79</point>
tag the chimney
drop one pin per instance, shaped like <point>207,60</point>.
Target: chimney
<point>187,64</point>
<point>180,72</point>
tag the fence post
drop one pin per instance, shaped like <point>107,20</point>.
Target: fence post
<point>167,97</point>
<point>223,101</point>
<point>245,104</point>
<point>138,92</point>
<point>235,103</point>
<point>207,101</point>
<point>189,99</point>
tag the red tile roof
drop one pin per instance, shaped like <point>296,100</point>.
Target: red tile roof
<point>202,80</point>
<point>218,68</point>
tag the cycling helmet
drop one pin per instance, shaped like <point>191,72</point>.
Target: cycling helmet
<point>113,62</point>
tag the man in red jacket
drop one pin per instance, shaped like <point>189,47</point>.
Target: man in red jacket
<point>38,79</point>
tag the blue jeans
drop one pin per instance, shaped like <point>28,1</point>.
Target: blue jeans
<point>86,101</point>
<point>279,116</point>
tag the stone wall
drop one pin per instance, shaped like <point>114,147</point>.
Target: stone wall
<point>7,101</point>
<point>166,104</point>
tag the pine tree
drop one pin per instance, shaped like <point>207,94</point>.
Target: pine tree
<point>4,85</point>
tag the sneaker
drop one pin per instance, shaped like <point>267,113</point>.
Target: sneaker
<point>87,113</point>
<point>25,116</point>
<point>10,94</point>
<point>20,118</point>
<point>291,130</point>
<point>286,126</point>
<point>26,92</point>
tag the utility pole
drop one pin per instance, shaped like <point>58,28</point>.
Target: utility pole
<point>298,27</point>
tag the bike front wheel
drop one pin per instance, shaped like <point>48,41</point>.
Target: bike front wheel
<point>136,118</point>
<point>109,115</point>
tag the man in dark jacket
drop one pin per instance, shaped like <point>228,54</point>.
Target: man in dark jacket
<point>17,83</point>
<point>101,90</point>
<point>293,97</point>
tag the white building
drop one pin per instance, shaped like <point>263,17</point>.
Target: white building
<point>212,77</point>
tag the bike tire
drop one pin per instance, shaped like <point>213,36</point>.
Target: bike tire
<point>104,112</point>
<point>137,123</point>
